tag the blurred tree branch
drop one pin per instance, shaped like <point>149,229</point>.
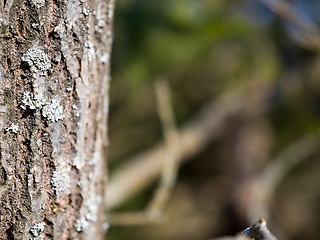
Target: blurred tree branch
<point>276,170</point>
<point>169,168</point>
<point>307,33</point>
<point>193,137</point>
<point>237,105</point>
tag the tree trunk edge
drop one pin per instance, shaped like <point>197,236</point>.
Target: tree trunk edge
<point>54,82</point>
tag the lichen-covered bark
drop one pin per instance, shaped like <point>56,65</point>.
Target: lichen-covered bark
<point>54,79</point>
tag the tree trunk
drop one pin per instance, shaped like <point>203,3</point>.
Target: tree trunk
<point>54,79</point>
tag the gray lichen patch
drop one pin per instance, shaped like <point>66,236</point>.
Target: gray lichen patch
<point>38,3</point>
<point>60,181</point>
<point>105,58</point>
<point>92,205</point>
<point>110,10</point>
<point>36,229</point>
<point>13,128</point>
<point>33,100</point>
<point>90,51</point>
<point>76,110</point>
<point>85,11</point>
<point>53,111</point>
<point>81,224</point>
<point>37,60</point>
<point>89,213</point>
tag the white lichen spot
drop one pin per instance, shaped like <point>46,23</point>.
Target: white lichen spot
<point>40,237</point>
<point>60,29</point>
<point>38,99</point>
<point>4,24</point>
<point>92,205</point>
<point>85,11</point>
<point>53,111</point>
<point>37,60</point>
<point>39,142</point>
<point>30,180</point>
<point>81,224</point>
<point>3,109</point>
<point>110,10</point>
<point>83,182</point>
<point>100,26</point>
<point>105,226</point>
<point>60,181</point>
<point>36,229</point>
<point>90,51</point>
<point>101,23</point>
<point>13,128</point>
<point>90,210</point>
<point>33,101</point>
<point>76,110</point>
<point>38,3</point>
<point>34,25</point>
<point>105,58</point>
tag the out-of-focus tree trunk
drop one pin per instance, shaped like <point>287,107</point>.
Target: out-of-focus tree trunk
<point>53,107</point>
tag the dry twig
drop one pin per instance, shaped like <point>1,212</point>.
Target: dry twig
<point>258,231</point>
<point>278,168</point>
<point>193,137</point>
<point>169,168</point>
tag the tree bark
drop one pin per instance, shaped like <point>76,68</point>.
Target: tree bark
<point>54,80</point>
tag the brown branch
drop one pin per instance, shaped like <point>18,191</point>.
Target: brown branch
<point>169,168</point>
<point>277,169</point>
<point>172,145</point>
<point>193,137</point>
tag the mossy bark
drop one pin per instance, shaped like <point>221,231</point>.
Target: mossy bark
<point>54,80</point>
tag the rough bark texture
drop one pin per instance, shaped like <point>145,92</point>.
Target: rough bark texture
<point>53,106</point>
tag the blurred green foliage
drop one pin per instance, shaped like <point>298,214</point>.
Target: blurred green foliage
<point>204,49</point>
<point>196,46</point>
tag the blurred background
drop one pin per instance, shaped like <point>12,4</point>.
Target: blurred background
<point>245,77</point>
